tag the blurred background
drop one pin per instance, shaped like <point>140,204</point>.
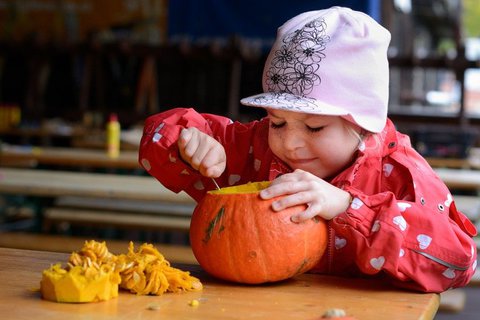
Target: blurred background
<point>68,61</point>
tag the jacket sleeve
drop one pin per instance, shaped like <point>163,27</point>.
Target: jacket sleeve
<point>413,232</point>
<point>159,155</point>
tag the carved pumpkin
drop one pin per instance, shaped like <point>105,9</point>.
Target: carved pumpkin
<point>236,236</point>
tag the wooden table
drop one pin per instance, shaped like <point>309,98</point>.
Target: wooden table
<point>71,157</point>
<point>304,297</point>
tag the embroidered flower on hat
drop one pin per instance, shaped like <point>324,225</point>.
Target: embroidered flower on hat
<point>294,66</point>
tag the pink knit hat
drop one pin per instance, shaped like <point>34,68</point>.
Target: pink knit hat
<point>329,62</point>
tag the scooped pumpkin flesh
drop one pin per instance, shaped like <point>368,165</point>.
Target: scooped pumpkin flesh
<point>78,284</point>
<point>94,274</point>
<point>89,276</point>
<point>235,235</point>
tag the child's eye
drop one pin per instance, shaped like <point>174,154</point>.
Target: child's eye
<point>276,125</point>
<point>315,129</point>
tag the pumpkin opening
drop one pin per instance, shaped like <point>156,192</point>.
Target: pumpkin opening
<point>251,187</point>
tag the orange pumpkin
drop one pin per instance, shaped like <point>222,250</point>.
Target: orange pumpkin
<point>236,236</point>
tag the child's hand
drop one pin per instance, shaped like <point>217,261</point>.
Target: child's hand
<point>202,152</point>
<point>301,187</point>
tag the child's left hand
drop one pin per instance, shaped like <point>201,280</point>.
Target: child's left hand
<point>301,187</point>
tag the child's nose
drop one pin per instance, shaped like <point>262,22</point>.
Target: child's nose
<point>292,140</point>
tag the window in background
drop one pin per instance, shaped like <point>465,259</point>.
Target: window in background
<point>472,78</point>
<point>429,68</point>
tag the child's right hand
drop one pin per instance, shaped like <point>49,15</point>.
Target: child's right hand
<point>202,152</point>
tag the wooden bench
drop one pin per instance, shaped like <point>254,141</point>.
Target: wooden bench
<point>466,179</point>
<point>118,213</point>
<point>104,218</point>
<point>88,196</point>
<point>452,300</point>
<point>143,206</point>
<point>58,243</point>
<point>469,205</point>
<point>54,183</point>
<point>70,157</point>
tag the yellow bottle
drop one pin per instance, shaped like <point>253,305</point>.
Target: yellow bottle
<point>113,136</point>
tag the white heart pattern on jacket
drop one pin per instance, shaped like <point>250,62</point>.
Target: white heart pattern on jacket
<point>377,263</point>
<point>376,226</point>
<point>340,243</point>
<point>356,204</point>
<point>449,200</point>
<point>156,137</point>
<point>160,126</point>
<point>400,222</point>
<point>256,164</point>
<point>199,185</point>
<point>424,241</point>
<point>387,169</point>
<point>233,178</point>
<point>403,206</point>
<point>146,164</point>
<point>449,273</point>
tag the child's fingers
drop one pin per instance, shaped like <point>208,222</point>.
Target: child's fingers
<point>214,162</point>
<point>202,152</point>
<point>184,138</point>
<point>185,145</point>
<point>295,199</point>
<point>309,213</point>
<point>280,188</point>
<point>199,156</point>
<point>189,143</point>
<point>215,171</point>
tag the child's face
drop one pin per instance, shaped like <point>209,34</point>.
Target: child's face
<point>321,145</point>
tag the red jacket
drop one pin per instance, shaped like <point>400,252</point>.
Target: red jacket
<point>402,224</point>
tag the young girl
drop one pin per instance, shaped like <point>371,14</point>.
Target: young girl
<point>327,143</point>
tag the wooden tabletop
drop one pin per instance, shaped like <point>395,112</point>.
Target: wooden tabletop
<point>304,297</point>
<point>52,183</point>
<point>72,157</point>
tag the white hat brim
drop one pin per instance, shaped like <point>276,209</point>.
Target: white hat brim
<point>291,102</point>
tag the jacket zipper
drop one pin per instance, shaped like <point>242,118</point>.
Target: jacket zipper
<point>331,241</point>
<point>444,263</point>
